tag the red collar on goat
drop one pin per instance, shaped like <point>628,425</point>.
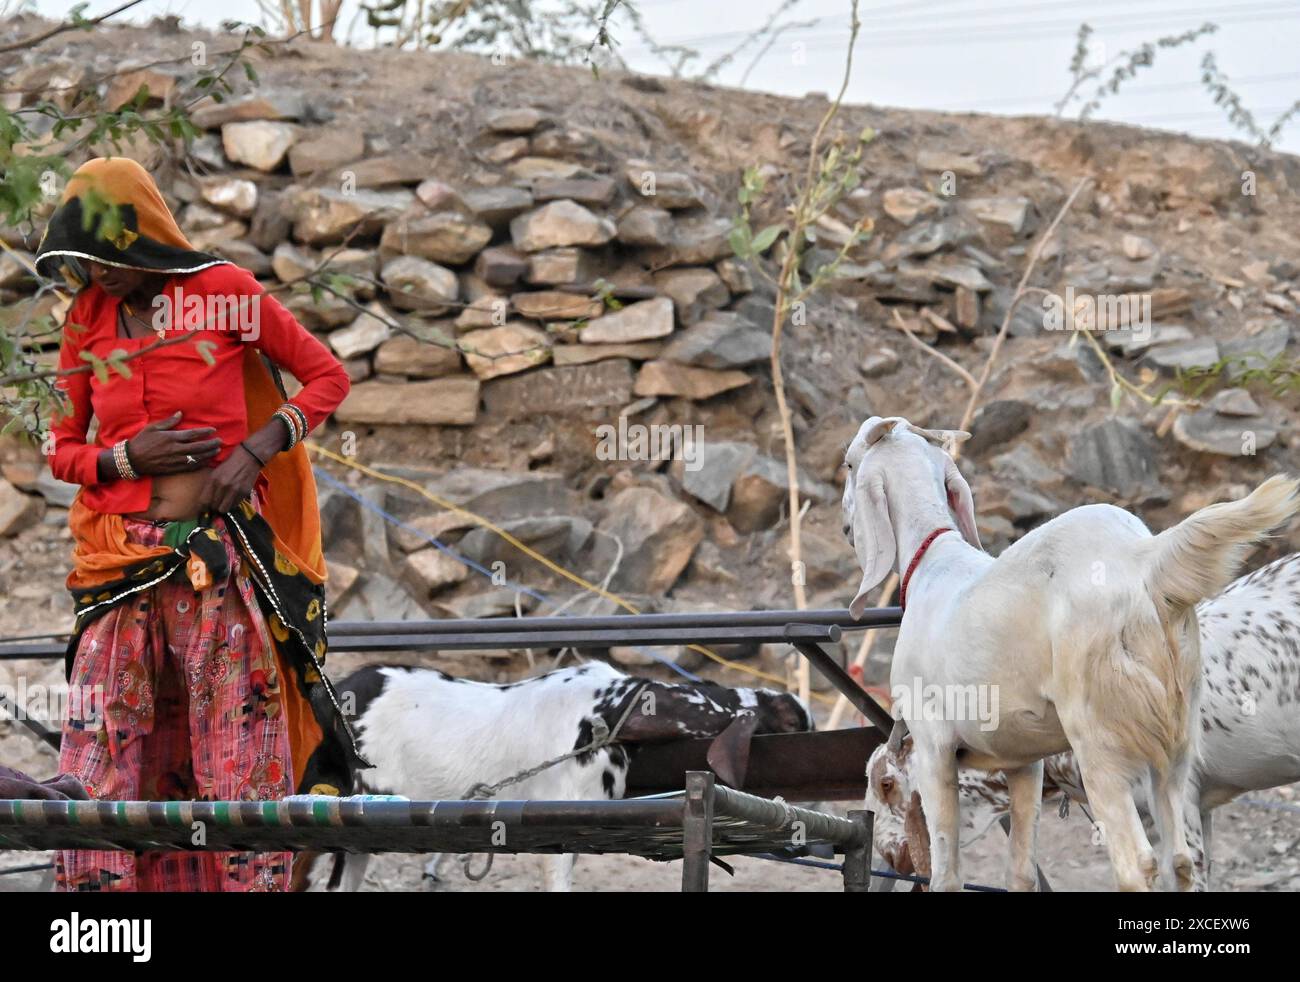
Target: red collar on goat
<point>916,559</point>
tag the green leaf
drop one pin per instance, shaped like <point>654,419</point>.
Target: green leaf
<point>763,241</point>
<point>117,358</point>
<point>1116,396</point>
<point>740,241</point>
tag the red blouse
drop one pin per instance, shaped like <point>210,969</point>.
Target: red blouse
<point>231,309</point>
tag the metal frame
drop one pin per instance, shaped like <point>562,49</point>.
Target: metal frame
<point>755,626</point>
<point>805,766</point>
<point>837,772</point>
<point>657,768</point>
<point>705,821</point>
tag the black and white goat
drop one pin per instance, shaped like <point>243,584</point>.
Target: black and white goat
<point>431,736</point>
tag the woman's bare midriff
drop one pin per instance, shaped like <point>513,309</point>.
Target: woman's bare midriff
<point>175,497</point>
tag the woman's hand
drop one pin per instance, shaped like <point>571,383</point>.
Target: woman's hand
<point>230,481</point>
<point>161,449</point>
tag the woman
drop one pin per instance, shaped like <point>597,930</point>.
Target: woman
<point>197,568</point>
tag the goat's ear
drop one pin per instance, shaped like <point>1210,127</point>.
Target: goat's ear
<point>873,536</point>
<point>961,502</point>
<point>918,835</point>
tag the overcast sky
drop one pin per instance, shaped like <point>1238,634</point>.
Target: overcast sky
<point>998,56</point>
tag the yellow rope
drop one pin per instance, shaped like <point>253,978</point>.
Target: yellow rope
<point>497,530</point>
<point>522,547</point>
<point>533,554</point>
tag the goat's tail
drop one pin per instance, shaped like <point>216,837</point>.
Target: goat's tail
<point>1202,554</point>
<point>1151,679</point>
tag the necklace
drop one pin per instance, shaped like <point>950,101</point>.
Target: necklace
<point>161,332</point>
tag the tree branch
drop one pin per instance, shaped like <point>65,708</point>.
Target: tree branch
<point>70,25</point>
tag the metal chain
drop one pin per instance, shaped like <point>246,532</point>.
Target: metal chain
<point>603,736</point>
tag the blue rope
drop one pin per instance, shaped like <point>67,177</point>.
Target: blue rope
<point>466,561</point>
<point>793,861</point>
<point>886,874</point>
<point>889,874</point>
<point>1280,806</point>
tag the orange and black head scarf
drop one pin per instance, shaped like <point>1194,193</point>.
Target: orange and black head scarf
<point>112,212</point>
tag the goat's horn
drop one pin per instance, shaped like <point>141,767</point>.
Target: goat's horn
<point>882,429</point>
<point>896,737</point>
<point>940,437</point>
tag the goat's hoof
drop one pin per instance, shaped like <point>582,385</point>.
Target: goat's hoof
<point>1184,872</point>
<point>1150,871</point>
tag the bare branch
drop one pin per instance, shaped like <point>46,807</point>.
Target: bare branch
<point>70,25</point>
<point>1021,291</point>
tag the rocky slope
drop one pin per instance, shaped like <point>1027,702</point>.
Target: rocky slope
<point>536,254</point>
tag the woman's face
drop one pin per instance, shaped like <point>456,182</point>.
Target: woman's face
<point>116,281</point>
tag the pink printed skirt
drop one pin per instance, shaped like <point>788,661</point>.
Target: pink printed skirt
<point>191,710</point>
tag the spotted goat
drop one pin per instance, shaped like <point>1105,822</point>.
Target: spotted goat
<point>431,736</point>
<point>1250,730</point>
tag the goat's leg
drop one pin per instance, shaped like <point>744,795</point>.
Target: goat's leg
<point>1196,843</point>
<point>1110,792</point>
<point>936,773</point>
<point>430,875</point>
<point>1171,796</point>
<point>557,873</point>
<point>354,870</point>
<point>1025,785</point>
<point>1207,833</point>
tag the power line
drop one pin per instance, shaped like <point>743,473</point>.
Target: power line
<point>1038,32</point>
<point>1012,31</point>
<point>1136,90</point>
<point>977,29</point>
<point>1204,114</point>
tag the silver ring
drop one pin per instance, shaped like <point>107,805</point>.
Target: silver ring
<point>190,460</point>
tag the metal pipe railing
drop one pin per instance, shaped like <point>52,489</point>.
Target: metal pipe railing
<point>560,632</point>
<point>839,617</point>
<point>789,633</point>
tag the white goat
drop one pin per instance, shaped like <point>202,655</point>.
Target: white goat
<point>1250,739</point>
<point>1084,631</point>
